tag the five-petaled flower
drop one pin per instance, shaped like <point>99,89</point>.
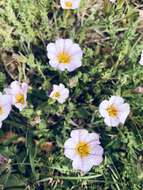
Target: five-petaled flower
<point>18,92</point>
<point>59,93</point>
<point>5,107</point>
<point>114,111</point>
<point>70,4</point>
<point>64,54</point>
<point>83,149</point>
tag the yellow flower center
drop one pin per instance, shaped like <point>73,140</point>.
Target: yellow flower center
<point>20,98</point>
<point>112,111</point>
<point>1,110</point>
<point>68,4</point>
<point>64,58</point>
<point>56,94</point>
<point>83,149</point>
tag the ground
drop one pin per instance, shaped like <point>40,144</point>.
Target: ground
<point>111,36</point>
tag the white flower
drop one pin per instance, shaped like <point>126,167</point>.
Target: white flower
<point>70,4</point>
<point>114,111</point>
<point>84,150</point>
<point>59,93</point>
<point>64,54</point>
<point>18,91</point>
<point>5,107</point>
<point>141,59</point>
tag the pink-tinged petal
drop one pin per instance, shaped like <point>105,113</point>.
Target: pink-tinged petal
<point>76,4</point>
<point>112,122</point>
<point>83,164</point>
<point>77,163</point>
<point>24,87</point>
<point>74,64</point>
<point>7,91</point>
<point>70,153</point>
<point>96,150</point>
<point>102,108</point>
<point>60,45</point>
<point>6,99</point>
<point>68,45</point>
<point>92,137</point>
<point>51,48</point>
<point>6,111</point>
<point>76,51</point>
<point>15,85</point>
<point>54,63</point>
<point>124,112</point>
<point>20,106</point>
<point>117,100</point>
<point>61,67</point>
<point>61,86</point>
<point>70,143</point>
<point>97,160</point>
<point>79,134</point>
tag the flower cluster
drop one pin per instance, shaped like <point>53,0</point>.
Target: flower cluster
<point>15,94</point>
<point>83,148</point>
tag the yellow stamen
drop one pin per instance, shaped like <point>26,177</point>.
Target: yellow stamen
<point>112,111</point>
<point>1,110</point>
<point>83,149</point>
<point>56,94</point>
<point>68,4</point>
<point>20,98</point>
<point>64,58</point>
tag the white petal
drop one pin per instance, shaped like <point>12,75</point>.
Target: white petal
<point>141,61</point>
<point>83,164</point>
<point>51,48</point>
<point>61,100</point>
<point>124,112</point>
<point>92,137</point>
<point>69,144</point>
<point>55,87</point>
<point>14,84</point>
<point>68,45</point>
<point>77,163</point>
<point>102,108</point>
<point>24,87</point>
<point>65,93</point>
<point>74,64</point>
<point>0,124</point>
<point>97,160</point>
<point>115,122</point>
<point>76,51</point>
<point>79,134</point>
<point>53,63</point>
<point>6,99</point>
<point>60,45</point>
<point>20,106</point>
<point>62,67</point>
<point>6,111</point>
<point>96,150</point>
<point>7,91</point>
<point>111,122</point>
<point>117,100</point>
<point>70,153</point>
<point>76,4</point>
<point>62,87</point>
